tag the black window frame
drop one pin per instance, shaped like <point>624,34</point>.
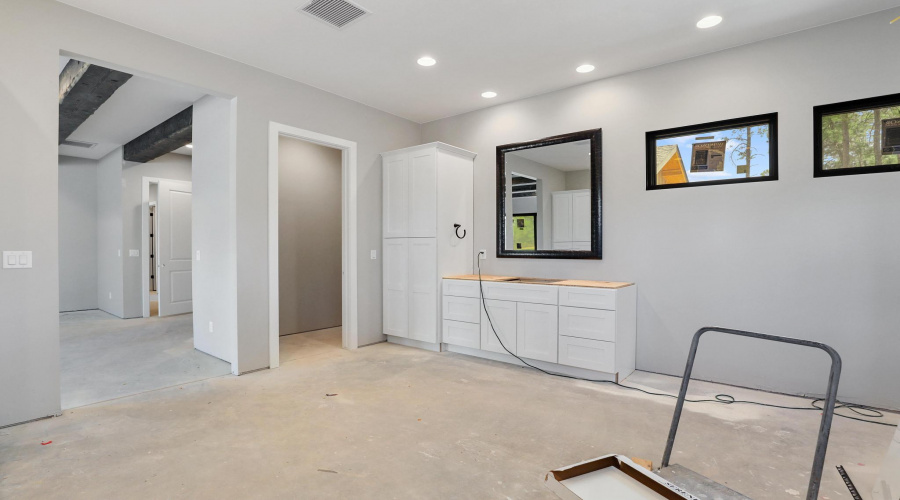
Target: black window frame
<point>820,111</point>
<point>770,119</point>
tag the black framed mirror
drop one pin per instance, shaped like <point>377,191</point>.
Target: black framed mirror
<point>549,197</point>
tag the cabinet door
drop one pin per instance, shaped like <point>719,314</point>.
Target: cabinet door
<point>423,286</point>
<point>396,287</point>
<point>562,217</point>
<point>581,216</point>
<point>537,331</point>
<point>503,316</point>
<point>396,196</point>
<point>423,194</point>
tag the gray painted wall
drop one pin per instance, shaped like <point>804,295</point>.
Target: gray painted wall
<point>170,166</point>
<point>77,234</point>
<point>309,236</point>
<point>578,179</point>
<point>215,274</point>
<point>29,361</point>
<point>810,258</point>
<point>109,235</point>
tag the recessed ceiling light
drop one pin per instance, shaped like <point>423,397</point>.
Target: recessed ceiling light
<point>426,61</point>
<point>489,95</point>
<point>585,68</point>
<point>190,146</point>
<point>709,22</point>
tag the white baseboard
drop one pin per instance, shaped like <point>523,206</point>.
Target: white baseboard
<point>571,371</point>
<point>414,343</point>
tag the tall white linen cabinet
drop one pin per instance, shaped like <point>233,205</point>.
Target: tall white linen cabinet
<point>427,193</point>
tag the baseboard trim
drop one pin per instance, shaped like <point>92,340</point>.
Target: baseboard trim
<point>571,371</point>
<point>414,343</point>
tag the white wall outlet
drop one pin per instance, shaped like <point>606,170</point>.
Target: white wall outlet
<point>134,253</point>
<point>120,252</point>
<point>198,260</point>
<point>110,295</point>
<point>17,259</point>
<point>210,327</point>
<point>373,254</point>
<point>482,254</point>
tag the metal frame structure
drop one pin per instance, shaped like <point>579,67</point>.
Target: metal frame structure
<point>815,477</point>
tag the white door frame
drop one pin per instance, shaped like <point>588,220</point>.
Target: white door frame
<point>349,285</point>
<point>145,239</point>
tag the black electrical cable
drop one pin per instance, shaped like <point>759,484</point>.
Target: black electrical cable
<point>719,398</point>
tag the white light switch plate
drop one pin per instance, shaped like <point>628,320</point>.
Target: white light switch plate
<point>373,254</point>
<point>16,259</point>
<point>134,253</point>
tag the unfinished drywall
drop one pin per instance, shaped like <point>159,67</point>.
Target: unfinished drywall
<point>169,166</point>
<point>215,270</point>
<point>29,361</point>
<point>309,236</point>
<point>109,234</point>
<point>801,257</point>
<point>77,234</point>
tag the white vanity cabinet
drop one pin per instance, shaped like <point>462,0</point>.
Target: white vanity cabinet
<point>572,220</point>
<point>578,328</point>
<point>427,190</point>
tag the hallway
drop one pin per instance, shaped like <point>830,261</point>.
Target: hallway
<point>104,357</point>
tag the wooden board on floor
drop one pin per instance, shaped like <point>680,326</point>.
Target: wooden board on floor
<point>593,284</point>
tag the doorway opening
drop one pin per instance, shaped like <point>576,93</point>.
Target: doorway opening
<point>129,132</point>
<point>293,154</point>
<point>166,237</point>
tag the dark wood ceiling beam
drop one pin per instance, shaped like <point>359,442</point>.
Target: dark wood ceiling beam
<point>174,133</point>
<point>83,88</point>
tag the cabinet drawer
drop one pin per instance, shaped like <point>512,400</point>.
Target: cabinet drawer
<point>589,354</point>
<point>462,334</point>
<point>464,309</point>
<point>591,298</point>
<point>596,324</point>
<point>520,292</point>
<point>461,288</point>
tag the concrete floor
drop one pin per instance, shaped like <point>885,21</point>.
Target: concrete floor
<point>104,357</point>
<point>408,423</point>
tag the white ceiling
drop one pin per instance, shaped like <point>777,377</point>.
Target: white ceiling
<point>139,105</point>
<point>517,48</point>
<point>567,157</point>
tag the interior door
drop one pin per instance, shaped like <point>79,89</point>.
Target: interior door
<point>174,260</point>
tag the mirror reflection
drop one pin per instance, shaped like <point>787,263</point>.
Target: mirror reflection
<point>548,197</point>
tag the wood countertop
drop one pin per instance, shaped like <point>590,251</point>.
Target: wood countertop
<point>541,281</point>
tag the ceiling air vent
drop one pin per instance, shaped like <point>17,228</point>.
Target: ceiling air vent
<point>78,144</point>
<point>338,13</point>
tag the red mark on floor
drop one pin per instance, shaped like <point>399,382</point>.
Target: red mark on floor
<point>45,443</point>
